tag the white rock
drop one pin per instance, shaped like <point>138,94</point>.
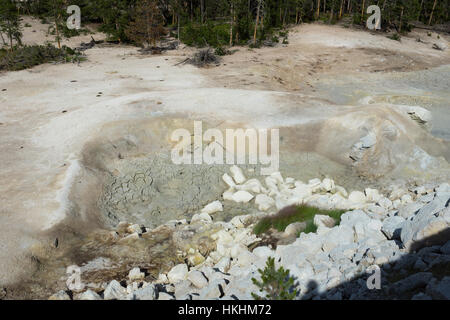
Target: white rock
<point>264,202</point>
<point>228,195</point>
<point>145,293</point>
<point>420,190</point>
<point>237,174</point>
<point>328,185</point>
<point>201,217</point>
<point>245,258</point>
<point>406,199</point>
<point>228,180</point>
<point>357,197</point>
<point>134,228</point>
<point>272,185</point>
<point>237,249</point>
<point>321,220</point>
<point>197,278</point>
<point>339,235</point>
<point>242,196</point>
<point>223,264</point>
<point>369,140</point>
<point>263,252</point>
<point>341,190</point>
<point>165,296</point>
<point>252,185</point>
<point>114,291</point>
<point>135,274</point>
<point>162,279</point>
<point>397,193</point>
<point>222,237</point>
<point>212,291</point>
<point>294,228</point>
<point>372,195</point>
<point>237,222</point>
<point>425,224</point>
<point>278,177</point>
<point>90,295</point>
<point>213,207</point>
<point>385,203</point>
<point>60,295</point>
<point>315,185</point>
<point>392,227</point>
<point>178,273</point>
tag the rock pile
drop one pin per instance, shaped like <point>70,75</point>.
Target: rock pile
<point>404,234</point>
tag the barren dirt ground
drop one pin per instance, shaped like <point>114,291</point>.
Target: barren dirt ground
<point>49,112</point>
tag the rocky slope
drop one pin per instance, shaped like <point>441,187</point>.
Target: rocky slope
<point>404,232</point>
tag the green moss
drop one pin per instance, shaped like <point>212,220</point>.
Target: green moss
<point>293,214</point>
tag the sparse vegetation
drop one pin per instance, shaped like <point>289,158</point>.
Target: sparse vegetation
<point>276,284</point>
<point>204,57</point>
<point>29,56</point>
<point>293,214</point>
<point>395,36</point>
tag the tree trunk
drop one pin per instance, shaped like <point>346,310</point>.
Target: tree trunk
<point>3,39</point>
<point>420,11</point>
<point>340,9</point>
<point>231,25</point>
<point>401,18</point>
<point>57,32</point>
<point>362,10</point>
<point>432,10</point>
<point>202,8</point>
<point>257,21</point>
<point>178,21</point>
<point>318,9</point>
<point>332,11</point>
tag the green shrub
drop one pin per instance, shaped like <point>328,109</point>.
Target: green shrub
<point>30,56</point>
<point>293,214</point>
<point>209,34</point>
<point>220,51</point>
<point>356,18</point>
<point>395,37</point>
<point>276,284</point>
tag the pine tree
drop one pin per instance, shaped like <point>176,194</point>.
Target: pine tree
<point>147,27</point>
<point>10,22</point>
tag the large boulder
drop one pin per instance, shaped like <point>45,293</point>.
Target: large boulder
<point>114,291</point>
<point>392,227</point>
<point>430,226</point>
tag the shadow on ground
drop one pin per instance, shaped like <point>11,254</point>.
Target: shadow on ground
<point>417,274</point>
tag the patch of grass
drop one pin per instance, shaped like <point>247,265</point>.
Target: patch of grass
<point>395,37</point>
<point>293,214</point>
<point>29,56</point>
